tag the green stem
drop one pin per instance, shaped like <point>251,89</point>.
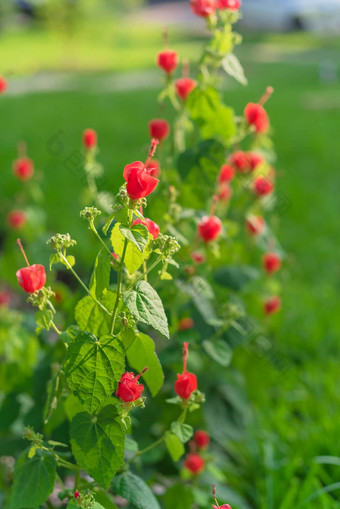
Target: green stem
<point>53,325</point>
<point>77,479</point>
<point>139,453</point>
<point>119,285</point>
<point>145,273</point>
<point>83,284</point>
<point>93,228</point>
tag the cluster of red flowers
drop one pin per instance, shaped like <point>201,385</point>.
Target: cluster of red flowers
<point>194,461</point>
<point>23,169</point>
<point>205,8</point>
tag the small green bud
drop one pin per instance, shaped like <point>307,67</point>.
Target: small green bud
<point>90,213</point>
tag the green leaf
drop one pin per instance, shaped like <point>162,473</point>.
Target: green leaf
<point>219,351</point>
<point>182,431</point>
<point>44,319</point>
<point>236,277</point>
<point>199,290</point>
<point>198,167</point>
<point>98,443</point>
<point>145,305</point>
<point>140,354</point>
<point>93,368</point>
<point>34,480</point>
<point>71,260</point>
<point>134,490</point>
<point>137,234</point>
<point>100,278</point>
<point>213,117</point>
<point>174,446</point>
<point>121,212</point>
<point>133,257</point>
<point>232,66</point>
<point>55,258</point>
<point>92,318</point>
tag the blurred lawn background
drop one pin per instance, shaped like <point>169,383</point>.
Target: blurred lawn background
<point>102,75</point>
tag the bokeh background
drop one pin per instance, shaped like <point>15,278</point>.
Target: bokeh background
<point>78,64</point>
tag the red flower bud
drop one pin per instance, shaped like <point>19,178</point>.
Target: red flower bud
<point>227,173</point>
<point>186,383</point>
<point>255,225</point>
<point>201,439</point>
<point>194,462</point>
<point>3,85</point>
<point>76,494</point>
<point>262,186</point>
<point>152,227</point>
<point>185,324</point>
<point>203,8</point>
<point>254,160</point>
<point>16,219</point>
<point>257,117</point>
<point>198,257</point>
<point>139,182</point>
<point>167,60</point>
<point>129,389</point>
<point>5,299</point>
<point>31,278</point>
<point>23,168</point>
<point>159,129</point>
<point>209,228</point>
<point>271,262</point>
<point>224,192</point>
<point>232,5</point>
<point>89,138</point>
<point>184,86</point>
<point>240,161</point>
<point>154,168</point>
<point>272,305</point>
<point>115,256</point>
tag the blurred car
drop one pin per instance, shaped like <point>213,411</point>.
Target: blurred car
<point>283,15</point>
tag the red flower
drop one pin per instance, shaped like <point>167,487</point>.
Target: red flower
<point>262,186</point>
<point>256,116</point>
<point>198,257</point>
<point>89,138</point>
<point>201,439</point>
<point>240,161</point>
<point>3,85</point>
<point>152,227</point>
<point>272,305</point>
<point>227,173</point>
<point>185,324</point>
<point>254,160</point>
<point>139,182</point>
<point>154,168</point>
<point>255,225</point>
<point>194,462</point>
<point>167,60</point>
<point>224,192</point>
<point>5,299</point>
<point>232,5</point>
<point>23,168</point>
<point>32,278</point>
<point>186,383</point>
<point>271,262</point>
<point>159,129</point>
<point>76,494</point>
<point>129,389</point>
<point>209,228</point>
<point>16,219</point>
<point>184,86</point>
<point>203,8</point>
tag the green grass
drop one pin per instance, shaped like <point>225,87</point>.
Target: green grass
<point>297,410</point>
